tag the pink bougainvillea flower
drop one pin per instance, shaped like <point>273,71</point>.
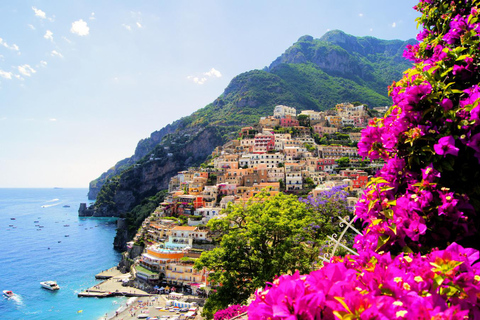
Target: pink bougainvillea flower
<point>446,104</point>
<point>446,145</point>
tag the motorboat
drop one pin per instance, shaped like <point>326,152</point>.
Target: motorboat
<point>8,293</point>
<point>50,285</point>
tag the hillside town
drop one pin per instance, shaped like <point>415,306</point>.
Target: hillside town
<point>282,153</point>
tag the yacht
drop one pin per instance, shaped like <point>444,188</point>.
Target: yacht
<point>50,285</point>
<point>8,293</point>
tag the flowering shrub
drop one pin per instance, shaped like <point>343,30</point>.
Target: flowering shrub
<point>425,197</point>
<point>230,312</point>
<point>441,285</point>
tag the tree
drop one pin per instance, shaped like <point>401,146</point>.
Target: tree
<point>303,120</point>
<point>343,162</point>
<point>262,239</point>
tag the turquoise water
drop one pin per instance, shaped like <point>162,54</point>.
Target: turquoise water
<point>60,246</point>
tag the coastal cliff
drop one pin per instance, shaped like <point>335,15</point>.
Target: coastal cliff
<point>143,148</point>
<point>150,175</point>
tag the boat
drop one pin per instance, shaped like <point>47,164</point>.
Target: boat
<point>12,218</point>
<point>66,206</point>
<point>50,285</point>
<point>8,293</point>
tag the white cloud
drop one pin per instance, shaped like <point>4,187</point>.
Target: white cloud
<point>213,73</point>
<point>80,27</point>
<point>5,74</point>
<point>126,26</point>
<point>43,63</point>
<point>52,119</point>
<point>197,80</point>
<point>31,27</point>
<point>48,35</point>
<point>92,16</point>
<point>6,45</point>
<point>139,25</point>
<point>394,25</point>
<point>55,53</point>
<point>26,70</point>
<point>371,29</point>
<point>39,13</point>
<point>360,15</point>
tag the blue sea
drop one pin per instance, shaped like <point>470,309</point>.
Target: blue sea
<point>42,238</point>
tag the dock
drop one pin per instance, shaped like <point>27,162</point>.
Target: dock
<point>107,274</point>
<point>112,286</point>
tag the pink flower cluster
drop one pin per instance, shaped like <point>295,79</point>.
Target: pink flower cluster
<point>230,312</point>
<point>441,285</point>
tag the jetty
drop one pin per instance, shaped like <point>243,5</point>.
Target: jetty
<point>112,286</point>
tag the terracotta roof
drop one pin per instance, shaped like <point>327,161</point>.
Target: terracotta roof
<point>184,228</point>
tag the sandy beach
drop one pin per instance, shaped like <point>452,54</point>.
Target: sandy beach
<point>152,307</point>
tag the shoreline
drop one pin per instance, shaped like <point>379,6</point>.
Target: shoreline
<point>154,306</point>
<point>160,306</point>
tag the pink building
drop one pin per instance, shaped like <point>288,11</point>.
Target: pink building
<point>288,121</point>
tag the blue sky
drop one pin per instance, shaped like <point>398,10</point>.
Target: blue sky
<point>81,82</point>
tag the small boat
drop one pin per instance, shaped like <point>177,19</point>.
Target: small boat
<point>67,235</point>
<point>12,218</point>
<point>66,225</point>
<point>50,285</point>
<point>66,206</point>
<point>8,293</point>
<point>36,221</point>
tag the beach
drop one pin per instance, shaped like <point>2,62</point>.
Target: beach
<point>154,306</point>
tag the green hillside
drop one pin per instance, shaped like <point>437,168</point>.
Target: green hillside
<point>313,74</point>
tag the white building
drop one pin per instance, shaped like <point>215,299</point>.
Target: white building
<point>270,160</point>
<point>281,111</point>
<point>293,181</point>
<point>313,115</point>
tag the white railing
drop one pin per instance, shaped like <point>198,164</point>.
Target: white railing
<point>336,241</point>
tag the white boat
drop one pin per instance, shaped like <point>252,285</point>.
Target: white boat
<point>50,285</point>
<point>8,293</point>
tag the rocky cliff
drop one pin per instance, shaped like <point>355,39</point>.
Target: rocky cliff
<point>144,146</point>
<point>152,174</point>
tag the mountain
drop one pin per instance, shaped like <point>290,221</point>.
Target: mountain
<point>313,74</point>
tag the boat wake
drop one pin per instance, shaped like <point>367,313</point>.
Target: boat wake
<point>50,205</point>
<point>17,299</point>
<point>53,200</point>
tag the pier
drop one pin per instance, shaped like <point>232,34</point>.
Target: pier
<point>112,286</point>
